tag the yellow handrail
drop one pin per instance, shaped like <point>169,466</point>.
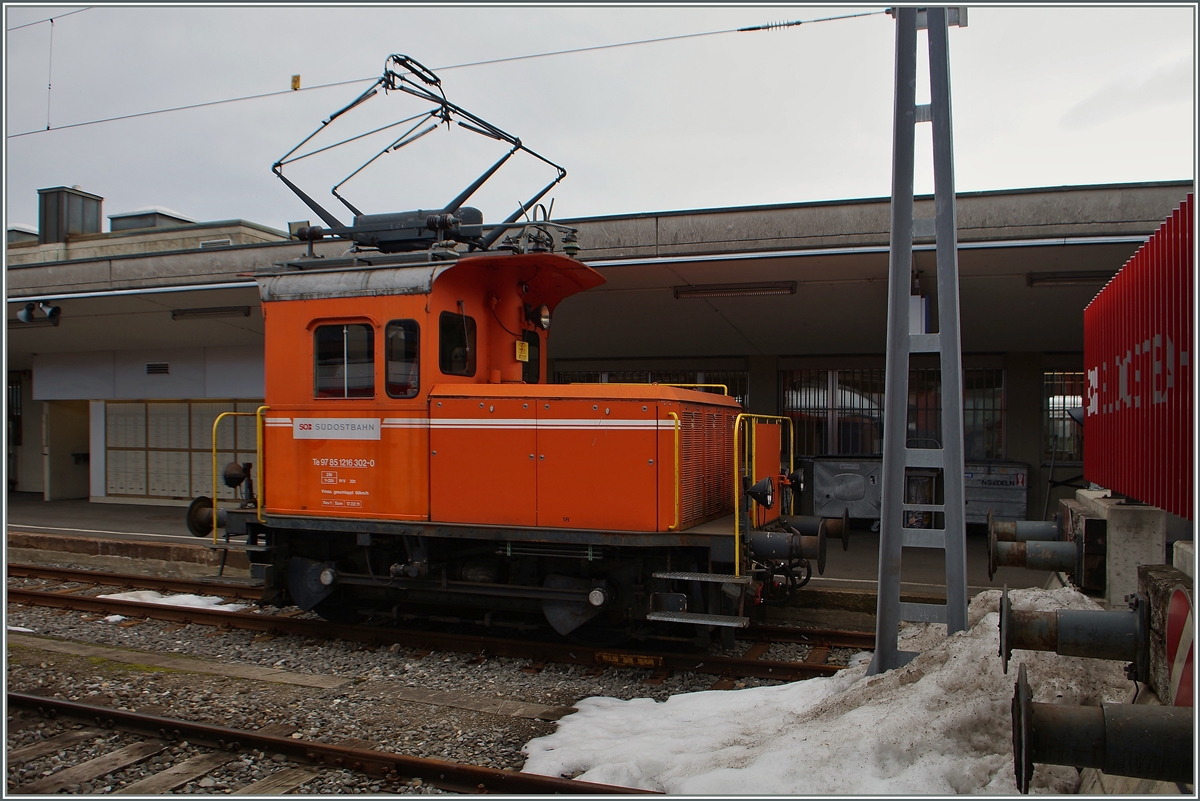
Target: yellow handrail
<point>675,525</point>
<point>258,450</point>
<point>737,476</point>
<point>258,455</point>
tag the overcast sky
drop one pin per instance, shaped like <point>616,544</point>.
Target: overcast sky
<point>1041,97</point>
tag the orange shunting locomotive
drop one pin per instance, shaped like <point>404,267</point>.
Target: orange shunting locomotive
<point>413,456</point>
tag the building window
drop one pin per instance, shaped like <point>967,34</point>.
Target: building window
<point>456,349</point>
<point>983,413</point>
<point>840,412</point>
<point>736,381</point>
<point>344,361</point>
<point>403,341</point>
<point>835,412</point>
<point>1062,439</point>
<point>531,371</point>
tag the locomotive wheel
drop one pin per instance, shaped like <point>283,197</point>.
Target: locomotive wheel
<point>310,593</point>
<point>338,612</point>
<point>598,634</point>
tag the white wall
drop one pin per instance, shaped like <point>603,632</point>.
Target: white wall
<point>73,376</point>
<point>234,372</point>
<point>185,379</point>
<point>219,372</point>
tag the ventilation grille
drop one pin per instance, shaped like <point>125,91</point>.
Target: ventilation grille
<point>705,465</point>
<point>216,243</point>
<point>158,368</point>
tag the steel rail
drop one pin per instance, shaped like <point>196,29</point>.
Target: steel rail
<point>756,632</point>
<point>445,775</point>
<point>160,583</point>
<point>562,653</point>
<point>801,636</point>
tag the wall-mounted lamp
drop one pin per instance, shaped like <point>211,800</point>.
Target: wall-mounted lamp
<point>26,316</point>
<point>735,290</point>
<point>210,311</point>
<point>1079,278</point>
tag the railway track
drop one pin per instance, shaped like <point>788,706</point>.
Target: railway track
<point>210,586</point>
<point>147,735</point>
<point>750,664</point>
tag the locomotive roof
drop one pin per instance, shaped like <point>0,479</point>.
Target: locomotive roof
<point>553,274</point>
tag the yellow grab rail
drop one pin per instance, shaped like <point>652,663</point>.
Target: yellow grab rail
<point>675,526</point>
<point>258,451</point>
<point>737,474</point>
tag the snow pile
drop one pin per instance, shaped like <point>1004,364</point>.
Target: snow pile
<point>194,601</point>
<point>941,724</point>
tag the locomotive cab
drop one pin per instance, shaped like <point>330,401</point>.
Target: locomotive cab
<point>415,457</point>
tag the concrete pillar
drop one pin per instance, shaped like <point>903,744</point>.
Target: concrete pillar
<point>1137,535</point>
<point>1183,556</point>
<point>1023,422</point>
<point>764,384</point>
<point>97,443</point>
<point>65,450</point>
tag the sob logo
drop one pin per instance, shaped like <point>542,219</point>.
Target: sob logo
<point>336,428</point>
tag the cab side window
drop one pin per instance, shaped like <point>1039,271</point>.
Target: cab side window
<point>456,344</point>
<point>344,356</point>
<point>403,338</point>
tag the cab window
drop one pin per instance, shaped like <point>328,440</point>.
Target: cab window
<point>403,338</point>
<point>531,370</point>
<point>456,348</point>
<point>345,361</point>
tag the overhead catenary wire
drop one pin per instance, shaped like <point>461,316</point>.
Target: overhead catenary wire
<point>508,59</point>
<point>47,19</point>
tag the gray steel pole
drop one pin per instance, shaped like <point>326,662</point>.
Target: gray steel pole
<point>895,409</point>
<point>953,467</point>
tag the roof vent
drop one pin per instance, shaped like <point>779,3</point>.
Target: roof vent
<point>147,217</point>
<point>67,211</point>
<point>158,368</point>
<point>216,243</point>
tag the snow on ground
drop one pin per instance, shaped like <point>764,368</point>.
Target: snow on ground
<point>194,601</point>
<point>941,724</point>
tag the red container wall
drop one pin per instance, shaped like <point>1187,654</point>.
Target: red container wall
<point>1138,339</point>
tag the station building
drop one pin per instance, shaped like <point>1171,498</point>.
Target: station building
<point>155,328</point>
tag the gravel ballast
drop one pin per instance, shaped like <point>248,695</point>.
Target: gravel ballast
<point>364,708</point>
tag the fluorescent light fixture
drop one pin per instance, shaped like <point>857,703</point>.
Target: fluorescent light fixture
<point>734,290</point>
<point>211,311</point>
<point>1078,278</point>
